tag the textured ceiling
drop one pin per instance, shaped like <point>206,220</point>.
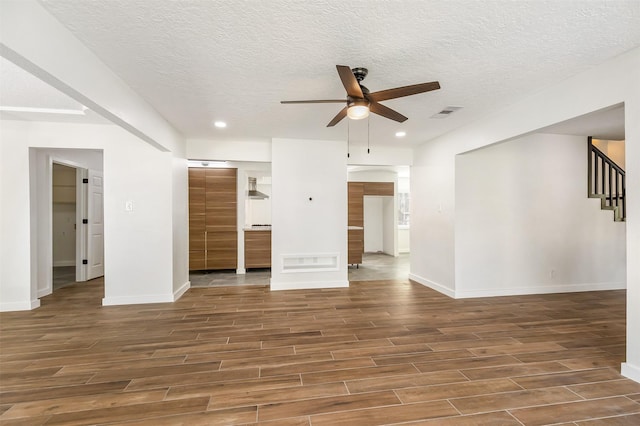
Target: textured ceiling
<point>198,61</point>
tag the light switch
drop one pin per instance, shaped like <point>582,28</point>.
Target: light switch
<point>128,206</point>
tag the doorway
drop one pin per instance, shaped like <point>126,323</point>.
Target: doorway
<point>67,217</point>
<point>63,224</point>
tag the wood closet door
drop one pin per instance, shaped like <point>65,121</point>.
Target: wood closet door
<point>213,237</point>
<point>221,204</point>
<point>197,247</point>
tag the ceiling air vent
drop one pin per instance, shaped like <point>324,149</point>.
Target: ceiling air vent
<point>447,111</point>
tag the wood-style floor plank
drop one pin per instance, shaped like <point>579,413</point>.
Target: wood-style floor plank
<point>378,352</point>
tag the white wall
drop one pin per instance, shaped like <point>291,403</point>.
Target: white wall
<point>303,169</point>
<point>373,224</point>
<point>403,240</point>
<point>433,174</point>
<point>139,245</point>
<point>229,150</point>
<point>390,225</point>
<point>537,182</point>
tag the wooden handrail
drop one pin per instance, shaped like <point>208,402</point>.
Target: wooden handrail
<point>606,180</point>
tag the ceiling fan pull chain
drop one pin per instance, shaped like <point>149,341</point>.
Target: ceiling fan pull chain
<point>348,137</point>
<point>368,121</point>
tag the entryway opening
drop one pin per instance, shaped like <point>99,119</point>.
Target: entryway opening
<point>63,225</point>
<point>67,214</point>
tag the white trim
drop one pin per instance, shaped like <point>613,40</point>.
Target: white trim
<point>138,300</point>
<point>305,285</point>
<point>58,263</point>
<point>540,289</point>
<point>44,292</point>
<point>432,285</point>
<point>630,371</point>
<point>19,306</point>
<point>241,271</point>
<point>182,290</point>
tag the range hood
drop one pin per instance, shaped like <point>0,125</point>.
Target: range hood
<point>253,192</point>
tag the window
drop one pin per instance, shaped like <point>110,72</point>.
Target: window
<point>403,209</point>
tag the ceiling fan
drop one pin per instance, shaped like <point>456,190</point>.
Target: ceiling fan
<point>360,101</point>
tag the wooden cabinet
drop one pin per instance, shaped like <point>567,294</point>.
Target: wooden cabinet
<point>355,203</point>
<point>355,217</point>
<point>213,236</point>
<point>257,249</point>
<point>378,188</point>
<point>356,246</point>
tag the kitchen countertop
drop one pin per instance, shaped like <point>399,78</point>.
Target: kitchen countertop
<point>257,228</point>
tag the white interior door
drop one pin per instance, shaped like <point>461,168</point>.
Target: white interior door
<point>95,219</point>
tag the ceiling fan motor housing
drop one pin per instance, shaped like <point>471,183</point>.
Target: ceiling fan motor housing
<point>360,73</point>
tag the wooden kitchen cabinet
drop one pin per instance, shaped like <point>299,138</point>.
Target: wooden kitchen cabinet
<point>213,236</point>
<point>355,217</point>
<point>378,188</point>
<point>355,204</point>
<point>257,249</point>
<point>356,246</point>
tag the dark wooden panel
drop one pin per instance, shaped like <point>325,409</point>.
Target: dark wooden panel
<point>222,240</point>
<point>355,210</point>
<point>197,260</point>
<point>355,246</point>
<point>196,241</point>
<point>213,208</point>
<point>196,222</point>
<point>257,249</point>
<point>196,194</point>
<point>378,188</point>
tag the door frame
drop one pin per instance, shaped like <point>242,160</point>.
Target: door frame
<point>81,209</point>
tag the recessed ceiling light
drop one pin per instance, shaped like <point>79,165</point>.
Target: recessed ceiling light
<point>220,124</point>
<point>401,134</point>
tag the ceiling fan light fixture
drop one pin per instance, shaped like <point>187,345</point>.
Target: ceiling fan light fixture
<point>358,109</point>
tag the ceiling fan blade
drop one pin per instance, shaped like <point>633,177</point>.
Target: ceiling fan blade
<point>384,111</point>
<point>342,114</point>
<point>349,82</point>
<point>400,92</point>
<point>319,101</point>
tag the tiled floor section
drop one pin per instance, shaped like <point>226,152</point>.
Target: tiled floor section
<point>375,266</point>
<point>378,352</point>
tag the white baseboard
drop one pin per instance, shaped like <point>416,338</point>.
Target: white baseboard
<point>241,271</point>
<point>19,306</point>
<point>44,292</point>
<point>64,263</point>
<point>631,371</point>
<point>306,285</point>
<point>432,285</point>
<point>540,289</point>
<point>403,251</point>
<point>182,290</point>
<point>137,300</point>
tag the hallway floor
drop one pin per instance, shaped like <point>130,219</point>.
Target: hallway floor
<point>379,352</point>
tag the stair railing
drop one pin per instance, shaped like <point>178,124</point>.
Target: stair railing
<point>606,180</point>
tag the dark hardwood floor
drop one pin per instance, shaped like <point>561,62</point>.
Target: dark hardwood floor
<point>379,352</point>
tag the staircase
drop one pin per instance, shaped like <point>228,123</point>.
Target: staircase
<point>606,181</point>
